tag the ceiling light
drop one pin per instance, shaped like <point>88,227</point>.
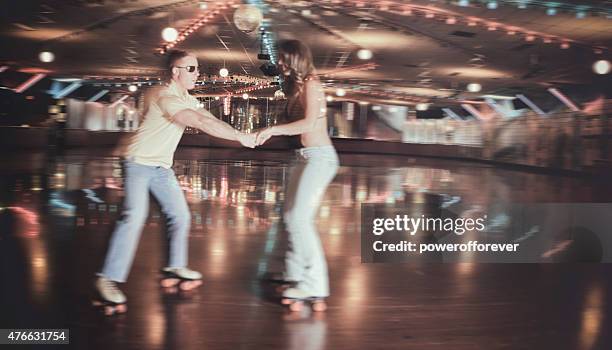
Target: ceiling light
<point>169,34</point>
<point>223,72</point>
<point>245,96</point>
<point>364,54</point>
<point>46,56</point>
<point>133,88</point>
<point>422,106</point>
<point>474,87</point>
<point>340,92</point>
<point>601,67</point>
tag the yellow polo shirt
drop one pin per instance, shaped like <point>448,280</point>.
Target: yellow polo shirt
<point>158,136</point>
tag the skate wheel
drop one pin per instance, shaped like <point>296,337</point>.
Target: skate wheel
<point>109,310</point>
<point>296,306</point>
<point>121,309</point>
<point>169,282</point>
<point>170,290</point>
<point>319,306</point>
<point>189,285</point>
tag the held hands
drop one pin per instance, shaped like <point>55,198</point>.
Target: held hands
<point>255,139</point>
<point>247,140</point>
<point>264,135</point>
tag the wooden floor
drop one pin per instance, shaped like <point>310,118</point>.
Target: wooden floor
<point>58,213</point>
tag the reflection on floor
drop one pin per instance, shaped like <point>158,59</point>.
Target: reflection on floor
<point>57,214</point>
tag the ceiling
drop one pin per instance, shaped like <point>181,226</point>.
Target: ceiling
<point>423,51</point>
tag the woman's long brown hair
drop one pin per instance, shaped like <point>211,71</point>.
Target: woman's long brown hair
<point>298,58</point>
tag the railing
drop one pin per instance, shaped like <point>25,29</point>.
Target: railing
<point>562,140</point>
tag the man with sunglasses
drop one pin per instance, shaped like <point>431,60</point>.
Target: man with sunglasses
<point>148,168</point>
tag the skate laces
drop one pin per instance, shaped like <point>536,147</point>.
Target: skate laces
<point>110,286</point>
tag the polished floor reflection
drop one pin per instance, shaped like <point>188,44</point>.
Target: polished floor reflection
<point>58,212</point>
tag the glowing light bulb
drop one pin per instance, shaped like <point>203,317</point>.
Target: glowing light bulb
<point>364,54</point>
<point>46,56</point>
<point>169,34</point>
<point>601,67</point>
<point>474,87</point>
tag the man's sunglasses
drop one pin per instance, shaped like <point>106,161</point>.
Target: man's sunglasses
<point>190,69</point>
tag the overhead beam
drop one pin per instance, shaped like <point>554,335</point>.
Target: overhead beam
<point>531,105</point>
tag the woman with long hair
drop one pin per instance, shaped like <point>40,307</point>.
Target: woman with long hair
<point>317,165</point>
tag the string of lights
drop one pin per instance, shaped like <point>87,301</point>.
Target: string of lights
<point>551,7</point>
<point>452,18</point>
<point>360,67</point>
<point>172,37</point>
<point>251,89</point>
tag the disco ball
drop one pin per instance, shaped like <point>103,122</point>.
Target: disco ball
<point>247,18</point>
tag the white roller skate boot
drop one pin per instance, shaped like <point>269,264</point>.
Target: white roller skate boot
<point>109,298</point>
<point>181,277</point>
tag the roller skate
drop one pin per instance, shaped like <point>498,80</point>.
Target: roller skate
<point>278,280</point>
<point>109,298</point>
<point>175,279</point>
<point>273,277</point>
<point>295,299</point>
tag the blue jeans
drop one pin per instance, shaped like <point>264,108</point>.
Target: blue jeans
<point>162,183</point>
<point>305,259</point>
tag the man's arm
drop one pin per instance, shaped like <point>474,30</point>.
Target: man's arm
<point>205,121</point>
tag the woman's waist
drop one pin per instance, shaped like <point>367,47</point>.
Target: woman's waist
<point>315,138</point>
<point>323,152</point>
